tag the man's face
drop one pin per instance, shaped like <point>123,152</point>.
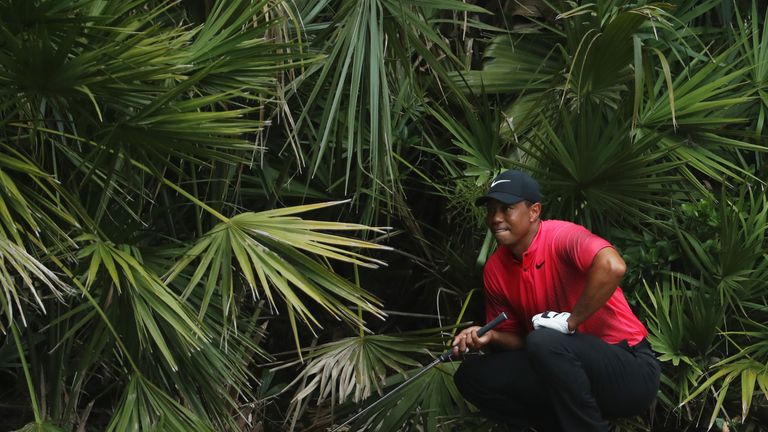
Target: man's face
<point>511,224</point>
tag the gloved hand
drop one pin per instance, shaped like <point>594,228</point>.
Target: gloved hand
<point>553,320</point>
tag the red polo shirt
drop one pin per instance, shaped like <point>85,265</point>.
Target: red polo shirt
<point>551,277</point>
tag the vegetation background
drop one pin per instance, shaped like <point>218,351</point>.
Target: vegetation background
<point>257,215</point>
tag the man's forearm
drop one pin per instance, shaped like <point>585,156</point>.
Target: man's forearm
<point>604,276</point>
<point>506,341</point>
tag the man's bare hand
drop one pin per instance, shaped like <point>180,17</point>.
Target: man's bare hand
<point>467,340</point>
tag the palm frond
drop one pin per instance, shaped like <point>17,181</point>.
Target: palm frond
<point>592,173</point>
<point>526,62</point>
<point>354,368</point>
<point>40,427</point>
<point>735,262</point>
<point>152,304</point>
<point>748,367</point>
<point>276,254</point>
<point>425,403</point>
<point>20,270</point>
<point>144,406</point>
<point>349,112</point>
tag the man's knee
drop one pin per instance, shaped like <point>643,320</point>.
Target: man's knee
<point>478,376</point>
<point>461,377</point>
<point>469,381</point>
<point>543,342</point>
<point>467,376</point>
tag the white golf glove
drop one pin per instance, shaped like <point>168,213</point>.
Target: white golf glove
<point>552,320</point>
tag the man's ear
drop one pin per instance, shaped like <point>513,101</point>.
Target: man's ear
<point>534,211</point>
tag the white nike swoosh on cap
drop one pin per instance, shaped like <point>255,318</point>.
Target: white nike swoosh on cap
<point>498,181</point>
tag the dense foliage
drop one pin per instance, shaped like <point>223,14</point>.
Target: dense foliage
<point>258,215</point>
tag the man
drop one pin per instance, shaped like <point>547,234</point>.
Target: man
<point>572,353</point>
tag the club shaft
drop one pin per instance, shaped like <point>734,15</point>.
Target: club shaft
<point>446,356</point>
<point>405,383</point>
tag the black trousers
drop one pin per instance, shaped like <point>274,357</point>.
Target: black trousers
<point>561,382</point>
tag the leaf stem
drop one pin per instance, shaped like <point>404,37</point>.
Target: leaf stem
<point>27,375</point>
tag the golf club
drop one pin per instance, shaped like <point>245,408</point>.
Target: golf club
<point>444,357</point>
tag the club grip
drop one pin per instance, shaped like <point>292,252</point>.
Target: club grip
<point>446,356</point>
<point>496,321</point>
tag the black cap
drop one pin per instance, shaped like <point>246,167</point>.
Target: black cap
<point>510,187</point>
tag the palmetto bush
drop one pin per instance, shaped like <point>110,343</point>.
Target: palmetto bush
<point>131,268</point>
<point>189,195</point>
<point>631,116</point>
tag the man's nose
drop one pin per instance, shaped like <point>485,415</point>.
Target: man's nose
<point>496,213</point>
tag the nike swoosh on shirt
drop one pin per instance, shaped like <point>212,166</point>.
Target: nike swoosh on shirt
<point>538,266</point>
<point>498,181</point>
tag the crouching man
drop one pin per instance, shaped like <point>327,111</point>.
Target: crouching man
<point>572,353</point>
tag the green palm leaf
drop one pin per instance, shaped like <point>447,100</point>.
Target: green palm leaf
<point>527,62</point>
<point>276,254</point>
<point>40,427</point>
<point>152,304</point>
<point>599,176</point>
<point>752,374</point>
<point>145,407</point>
<point>350,112</point>
<point>425,403</point>
<point>754,45</point>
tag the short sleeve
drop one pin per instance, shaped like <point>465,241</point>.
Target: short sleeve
<point>579,246</point>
